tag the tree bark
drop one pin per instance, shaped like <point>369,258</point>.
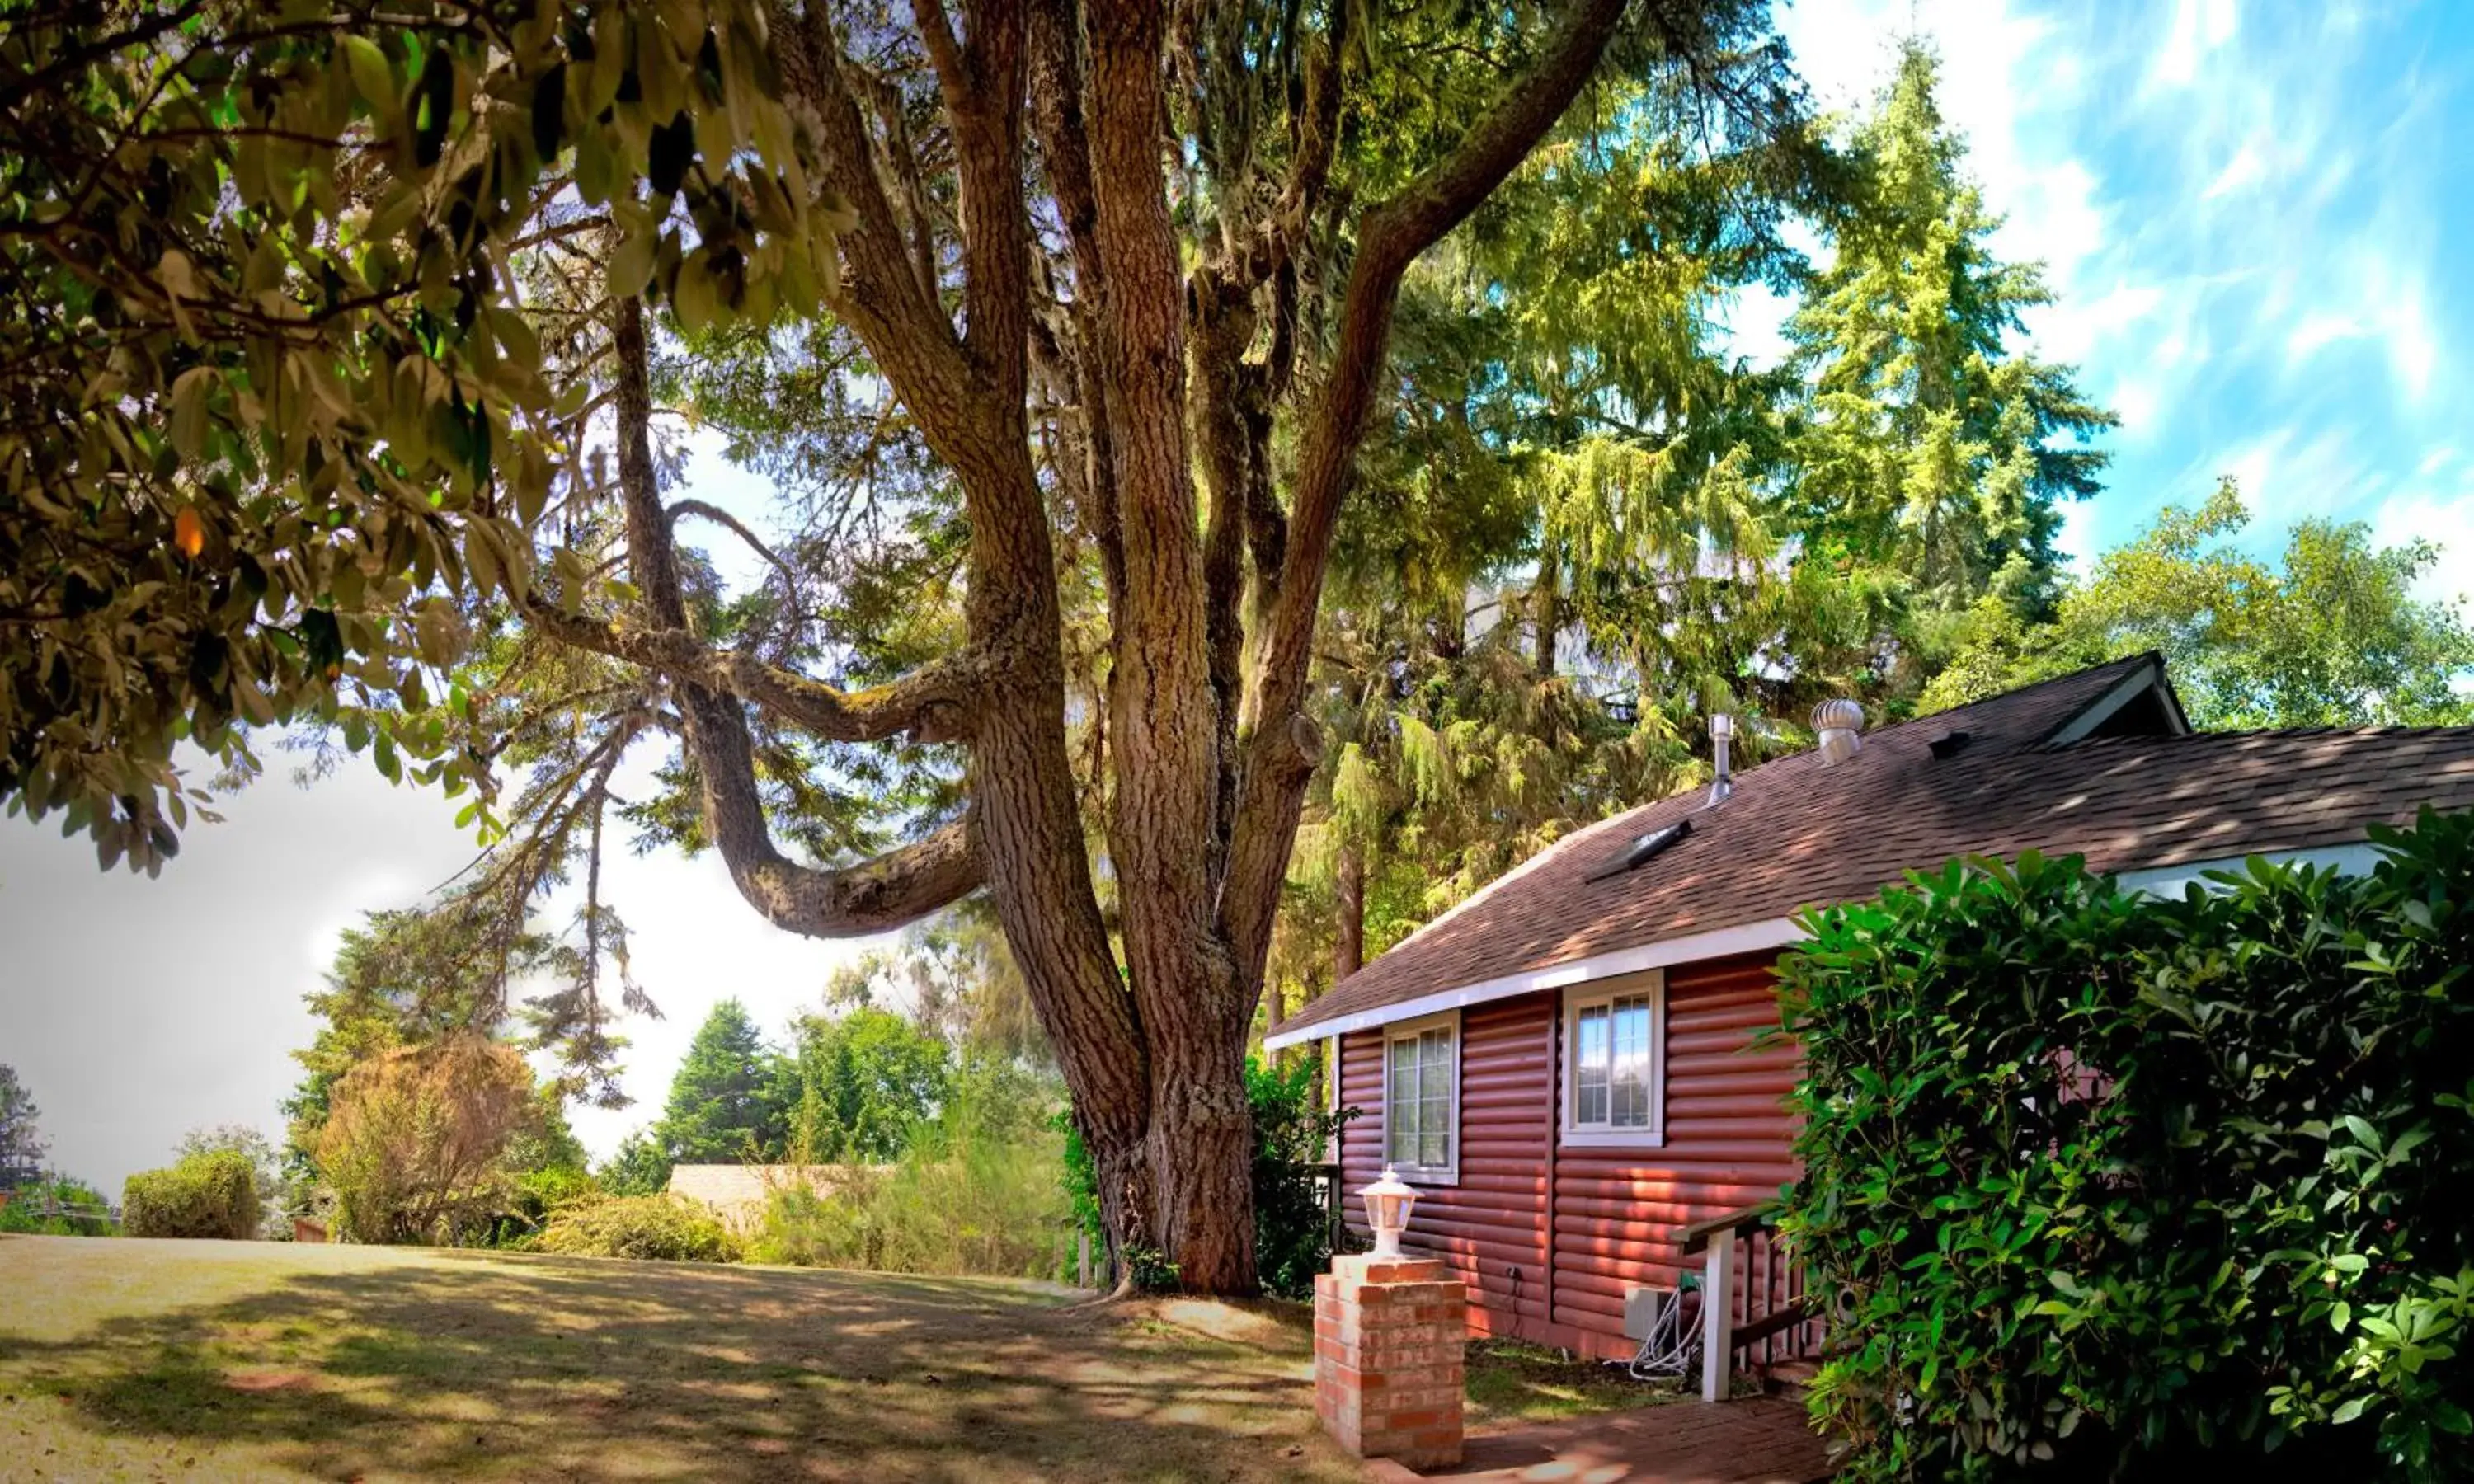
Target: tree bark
<point>1348,935</point>
<point>1546,610</point>
<point>1162,715</point>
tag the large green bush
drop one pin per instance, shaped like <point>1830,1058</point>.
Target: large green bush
<point>2105,1185</point>
<point>1292,1225</point>
<point>655,1228</point>
<point>212,1194</point>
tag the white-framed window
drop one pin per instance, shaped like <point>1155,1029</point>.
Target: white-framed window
<point>1422,1098</point>
<point>1615,1063</point>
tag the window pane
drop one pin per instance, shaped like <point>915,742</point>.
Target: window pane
<point>1435,1124</point>
<point>1400,1103</point>
<point>1630,1104</point>
<point>1435,1098</point>
<point>1589,1066</point>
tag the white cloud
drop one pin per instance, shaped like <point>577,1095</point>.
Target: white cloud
<point>1754,324</point>
<point>2248,167</point>
<point>2317,330</point>
<point>2075,329</point>
<point>2445,519</point>
<point>2135,400</point>
<point>2199,27</point>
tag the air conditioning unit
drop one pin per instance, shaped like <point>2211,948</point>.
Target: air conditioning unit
<point>1646,1310</point>
<point>1666,1324</point>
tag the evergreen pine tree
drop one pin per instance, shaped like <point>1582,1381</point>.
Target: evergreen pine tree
<point>1927,438</point>
<point>725,1103</point>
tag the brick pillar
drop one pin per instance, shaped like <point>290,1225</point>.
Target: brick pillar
<point>1388,1333</point>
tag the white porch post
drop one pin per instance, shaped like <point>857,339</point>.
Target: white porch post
<point>1718,1316</point>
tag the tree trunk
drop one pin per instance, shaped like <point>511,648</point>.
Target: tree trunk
<point>1349,936</point>
<point>1546,609</point>
<point>1203,1160</point>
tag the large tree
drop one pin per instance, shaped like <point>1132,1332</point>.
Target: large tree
<point>726,1103</point>
<point>1933,447</point>
<point>1141,362</point>
<point>417,1141</point>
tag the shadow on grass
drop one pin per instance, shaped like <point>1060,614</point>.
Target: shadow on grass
<point>589,1370</point>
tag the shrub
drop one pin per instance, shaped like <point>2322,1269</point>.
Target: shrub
<point>533,1198</point>
<point>2107,1184</point>
<point>252,1147</point>
<point>417,1140</point>
<point>1291,1227</point>
<point>653,1228</point>
<point>974,1191</point>
<point>213,1194</point>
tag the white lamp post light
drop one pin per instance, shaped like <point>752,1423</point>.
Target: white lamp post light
<point>1387,1210</point>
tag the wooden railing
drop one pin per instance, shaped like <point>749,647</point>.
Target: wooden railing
<point>1753,1297</point>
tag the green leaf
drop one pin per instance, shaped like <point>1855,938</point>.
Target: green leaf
<point>371,78</point>
<point>631,266</point>
<point>189,392</point>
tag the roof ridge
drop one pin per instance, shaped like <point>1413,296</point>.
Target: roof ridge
<point>2240,733</point>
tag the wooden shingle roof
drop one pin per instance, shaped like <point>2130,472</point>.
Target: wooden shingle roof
<point>1797,832</point>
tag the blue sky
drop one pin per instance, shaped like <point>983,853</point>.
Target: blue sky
<point>2248,213</point>
<point>2252,215</point>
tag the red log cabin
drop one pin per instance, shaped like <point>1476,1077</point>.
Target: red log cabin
<point>1564,1064</point>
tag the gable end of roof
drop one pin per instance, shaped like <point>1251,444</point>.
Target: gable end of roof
<point>2146,683</point>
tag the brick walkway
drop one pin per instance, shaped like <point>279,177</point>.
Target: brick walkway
<point>1758,1440</point>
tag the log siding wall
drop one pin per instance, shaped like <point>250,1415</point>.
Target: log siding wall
<point>1617,1213</point>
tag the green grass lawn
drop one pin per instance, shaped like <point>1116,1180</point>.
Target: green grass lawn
<point>129,1359</point>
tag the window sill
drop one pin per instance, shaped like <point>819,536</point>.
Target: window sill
<point>1422,1175</point>
<point>1613,1139</point>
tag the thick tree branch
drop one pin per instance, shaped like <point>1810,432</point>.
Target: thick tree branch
<point>935,704</point>
<point>1280,745</point>
<point>728,522</point>
<point>894,889</point>
<point>1163,715</point>
<point>1057,119</point>
<point>882,297</point>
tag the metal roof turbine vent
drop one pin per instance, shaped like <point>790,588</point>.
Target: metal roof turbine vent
<point>1841,725</point>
